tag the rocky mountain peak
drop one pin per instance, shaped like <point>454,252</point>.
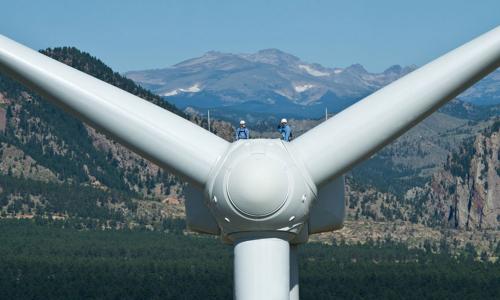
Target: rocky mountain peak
<point>356,68</point>
<point>208,60</point>
<point>273,57</point>
<point>394,69</point>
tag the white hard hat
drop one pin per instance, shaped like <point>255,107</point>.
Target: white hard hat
<point>242,122</point>
<point>283,120</point>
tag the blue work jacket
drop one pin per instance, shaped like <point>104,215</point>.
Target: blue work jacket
<point>286,132</point>
<point>242,133</point>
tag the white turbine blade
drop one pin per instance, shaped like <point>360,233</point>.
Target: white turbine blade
<point>153,132</point>
<point>333,147</point>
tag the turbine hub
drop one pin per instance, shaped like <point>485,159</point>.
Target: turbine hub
<point>259,187</point>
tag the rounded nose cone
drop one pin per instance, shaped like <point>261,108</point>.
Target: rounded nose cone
<point>258,186</point>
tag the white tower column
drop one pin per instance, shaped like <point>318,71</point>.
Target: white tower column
<point>261,269</point>
<point>294,272</point>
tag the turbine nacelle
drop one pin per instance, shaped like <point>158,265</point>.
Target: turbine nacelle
<point>257,185</point>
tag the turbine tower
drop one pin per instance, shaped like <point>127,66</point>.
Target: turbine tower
<point>264,196</point>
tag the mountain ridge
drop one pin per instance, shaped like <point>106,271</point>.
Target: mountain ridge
<point>280,82</point>
<point>265,76</point>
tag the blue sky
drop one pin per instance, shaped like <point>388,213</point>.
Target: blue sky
<point>132,35</point>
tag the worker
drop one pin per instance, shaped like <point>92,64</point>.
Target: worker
<point>242,133</point>
<point>285,130</point>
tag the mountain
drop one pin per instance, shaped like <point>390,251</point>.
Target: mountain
<point>262,82</point>
<point>272,81</point>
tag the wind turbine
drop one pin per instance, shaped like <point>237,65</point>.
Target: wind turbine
<point>264,196</point>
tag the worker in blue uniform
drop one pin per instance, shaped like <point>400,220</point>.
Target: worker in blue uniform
<point>242,133</point>
<point>285,130</point>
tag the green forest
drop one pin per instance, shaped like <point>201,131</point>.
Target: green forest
<point>43,259</point>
